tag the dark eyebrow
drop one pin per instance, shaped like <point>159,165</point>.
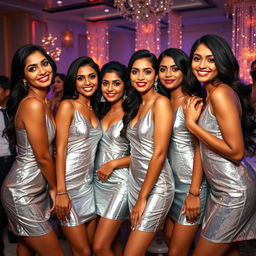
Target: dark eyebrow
<point>34,65</point>
<point>172,66</point>
<point>211,55</point>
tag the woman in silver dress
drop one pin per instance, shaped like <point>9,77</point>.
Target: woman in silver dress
<point>24,194</point>
<point>225,129</point>
<point>78,134</point>
<point>112,160</point>
<point>147,125</point>
<point>190,196</point>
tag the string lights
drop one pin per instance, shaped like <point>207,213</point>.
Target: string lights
<point>48,43</point>
<point>174,30</point>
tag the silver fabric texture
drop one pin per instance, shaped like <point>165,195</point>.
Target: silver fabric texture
<point>83,139</point>
<point>24,192</point>
<point>231,209</point>
<point>111,196</point>
<point>181,157</point>
<point>159,201</point>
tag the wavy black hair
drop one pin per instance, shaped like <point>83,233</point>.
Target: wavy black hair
<point>121,71</point>
<point>17,91</point>
<point>228,73</point>
<point>133,99</point>
<point>180,58</point>
<point>70,91</point>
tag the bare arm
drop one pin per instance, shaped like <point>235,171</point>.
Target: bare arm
<point>63,120</point>
<point>163,121</point>
<point>225,107</point>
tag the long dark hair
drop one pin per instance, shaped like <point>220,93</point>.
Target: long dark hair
<point>70,91</point>
<point>228,71</point>
<point>18,92</point>
<point>192,87</point>
<point>121,71</point>
<point>61,76</point>
<point>133,100</point>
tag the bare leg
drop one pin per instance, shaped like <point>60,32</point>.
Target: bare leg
<point>117,246</point>
<point>207,248</point>
<point>138,243</point>
<point>234,250</point>
<point>45,245</point>
<point>105,235</point>
<point>168,228</point>
<point>77,237</point>
<point>91,228</point>
<point>23,249</point>
<point>181,239</point>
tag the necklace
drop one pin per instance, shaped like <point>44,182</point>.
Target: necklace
<point>178,97</point>
<point>83,104</point>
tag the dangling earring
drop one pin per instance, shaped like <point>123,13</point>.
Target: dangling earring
<point>155,86</point>
<point>102,99</point>
<point>124,96</point>
<point>25,86</point>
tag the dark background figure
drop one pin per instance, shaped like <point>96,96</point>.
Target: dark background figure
<point>253,85</point>
<point>7,155</point>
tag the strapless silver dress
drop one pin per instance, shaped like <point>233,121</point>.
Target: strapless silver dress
<point>24,192</point>
<point>83,139</point>
<point>181,157</point>
<point>159,201</point>
<point>231,209</point>
<point>111,196</point>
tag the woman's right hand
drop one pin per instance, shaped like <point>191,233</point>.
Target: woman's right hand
<point>63,206</point>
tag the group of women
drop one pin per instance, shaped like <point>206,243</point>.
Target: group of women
<point>146,142</point>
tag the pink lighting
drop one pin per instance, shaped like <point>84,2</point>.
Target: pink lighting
<point>174,30</point>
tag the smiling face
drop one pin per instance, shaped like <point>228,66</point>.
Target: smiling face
<point>143,75</point>
<point>170,75</point>
<point>112,87</point>
<point>58,84</point>
<point>86,81</point>
<point>38,71</point>
<point>203,64</point>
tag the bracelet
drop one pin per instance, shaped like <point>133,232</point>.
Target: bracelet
<point>192,194</point>
<point>61,193</point>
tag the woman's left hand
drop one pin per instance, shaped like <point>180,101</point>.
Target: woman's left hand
<point>191,208</point>
<point>104,171</point>
<point>137,212</point>
<point>52,193</point>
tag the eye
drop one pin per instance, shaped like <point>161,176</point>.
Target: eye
<point>148,72</point>
<point>134,71</point>
<point>175,69</point>
<point>104,83</point>
<point>162,69</point>
<point>46,63</point>
<point>116,83</point>
<point>196,58</point>
<point>211,60</point>
<point>92,76</point>
<point>80,78</point>
<point>32,69</point>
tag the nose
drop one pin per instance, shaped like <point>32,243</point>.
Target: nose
<point>202,64</point>
<point>168,72</point>
<point>86,80</point>
<point>42,70</point>
<point>141,75</point>
<point>110,87</point>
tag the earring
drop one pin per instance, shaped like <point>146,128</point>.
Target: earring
<point>25,86</point>
<point>124,96</point>
<point>155,86</point>
<point>102,99</point>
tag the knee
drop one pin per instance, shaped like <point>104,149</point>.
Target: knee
<point>81,252</point>
<point>174,251</point>
<point>99,249</point>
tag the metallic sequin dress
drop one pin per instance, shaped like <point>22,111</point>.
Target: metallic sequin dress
<point>231,209</point>
<point>83,139</point>
<point>111,196</point>
<point>159,201</point>
<point>24,192</point>
<point>181,157</point>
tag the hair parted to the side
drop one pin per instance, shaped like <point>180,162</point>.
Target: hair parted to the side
<point>70,91</point>
<point>17,91</point>
<point>228,73</point>
<point>133,99</point>
<point>121,71</point>
<point>180,58</point>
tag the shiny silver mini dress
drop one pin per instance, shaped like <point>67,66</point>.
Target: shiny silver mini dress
<point>24,192</point>
<point>159,201</point>
<point>112,196</point>
<point>181,157</point>
<point>231,209</point>
<point>83,139</point>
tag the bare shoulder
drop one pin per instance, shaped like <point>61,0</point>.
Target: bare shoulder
<point>32,105</point>
<point>66,105</point>
<point>162,101</point>
<point>223,92</point>
<point>65,110</point>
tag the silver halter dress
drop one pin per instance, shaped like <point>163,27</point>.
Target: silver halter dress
<point>24,192</point>
<point>111,196</point>
<point>181,157</point>
<point>83,139</point>
<point>231,209</point>
<point>159,201</point>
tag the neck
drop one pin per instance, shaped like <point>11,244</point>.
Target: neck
<point>84,100</point>
<point>116,105</point>
<point>38,93</point>
<point>58,94</point>
<point>176,93</point>
<point>147,96</point>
